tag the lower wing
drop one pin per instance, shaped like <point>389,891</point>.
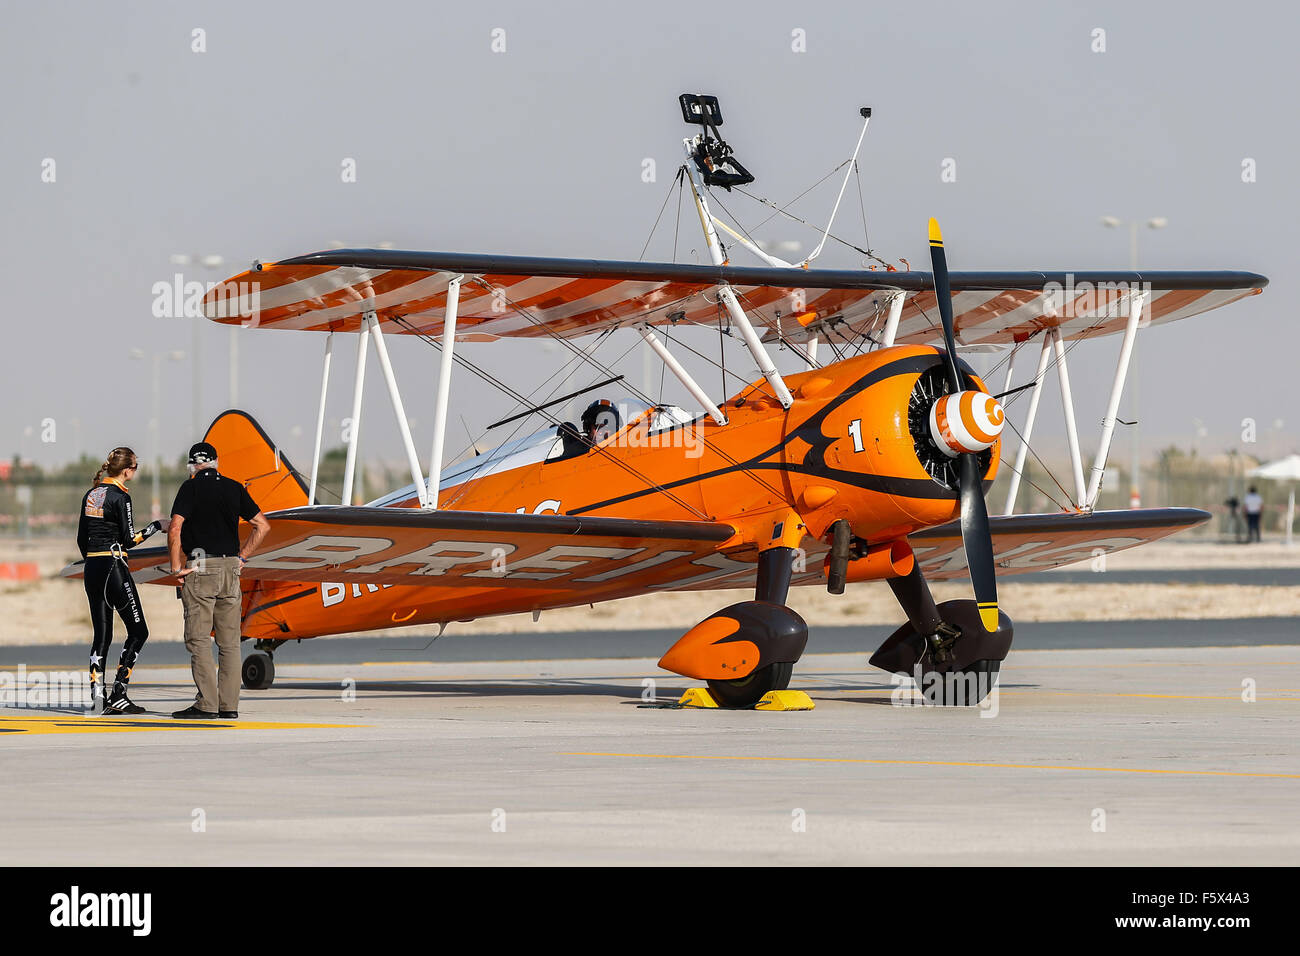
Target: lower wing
<point>577,559</point>
<point>1023,543</point>
<point>327,543</point>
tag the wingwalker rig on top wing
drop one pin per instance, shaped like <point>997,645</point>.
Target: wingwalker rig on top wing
<point>870,466</point>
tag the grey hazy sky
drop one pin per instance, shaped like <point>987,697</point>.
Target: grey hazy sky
<point>538,151</point>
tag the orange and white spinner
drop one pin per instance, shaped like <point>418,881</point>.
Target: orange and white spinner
<point>965,422</point>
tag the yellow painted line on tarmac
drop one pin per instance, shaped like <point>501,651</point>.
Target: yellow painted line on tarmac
<point>1159,647</point>
<point>109,725</point>
<point>885,692</point>
<point>1069,693</point>
<point>942,763</point>
<point>1179,663</point>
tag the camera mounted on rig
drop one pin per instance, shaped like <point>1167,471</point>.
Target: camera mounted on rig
<point>712,156</point>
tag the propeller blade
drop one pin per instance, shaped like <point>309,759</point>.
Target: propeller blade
<point>975,534</point>
<point>942,292</point>
<point>978,541</point>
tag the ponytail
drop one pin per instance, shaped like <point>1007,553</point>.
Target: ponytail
<point>118,461</point>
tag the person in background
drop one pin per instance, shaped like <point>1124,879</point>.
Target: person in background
<point>105,532</point>
<point>205,527</point>
<point>1253,505</point>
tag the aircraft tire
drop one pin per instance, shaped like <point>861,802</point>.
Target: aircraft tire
<point>748,691</point>
<point>258,671</point>
<point>964,688</point>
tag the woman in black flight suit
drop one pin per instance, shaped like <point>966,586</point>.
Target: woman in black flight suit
<point>105,533</point>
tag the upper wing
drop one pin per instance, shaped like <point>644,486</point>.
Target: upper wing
<point>530,297</point>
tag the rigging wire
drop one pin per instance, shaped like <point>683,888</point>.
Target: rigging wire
<point>470,483</point>
<point>780,210</point>
<point>789,215</point>
<point>1047,470</point>
<point>677,228</point>
<point>1052,364</point>
<point>676,182</point>
<point>564,373</point>
<point>497,383</point>
<point>631,388</point>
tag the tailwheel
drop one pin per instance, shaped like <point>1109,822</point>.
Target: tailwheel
<point>258,671</point>
<point>748,691</point>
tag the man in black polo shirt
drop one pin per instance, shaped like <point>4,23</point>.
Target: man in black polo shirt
<point>205,527</point>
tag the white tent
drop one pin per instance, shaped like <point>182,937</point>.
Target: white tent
<point>1284,469</point>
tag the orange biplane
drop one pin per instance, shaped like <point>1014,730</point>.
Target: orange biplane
<point>870,464</point>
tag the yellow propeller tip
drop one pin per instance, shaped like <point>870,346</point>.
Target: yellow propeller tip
<point>989,618</point>
<point>935,235</point>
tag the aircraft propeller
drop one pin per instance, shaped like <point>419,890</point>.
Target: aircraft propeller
<point>961,422</point>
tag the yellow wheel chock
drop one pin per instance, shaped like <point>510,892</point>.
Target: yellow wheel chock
<point>772,700</point>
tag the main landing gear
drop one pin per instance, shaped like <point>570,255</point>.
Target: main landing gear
<point>258,670</point>
<point>748,649</point>
<point>944,648</point>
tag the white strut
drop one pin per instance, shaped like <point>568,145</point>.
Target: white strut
<point>444,390</point>
<point>320,418</point>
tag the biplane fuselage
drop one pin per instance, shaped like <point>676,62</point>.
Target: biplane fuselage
<point>843,450</point>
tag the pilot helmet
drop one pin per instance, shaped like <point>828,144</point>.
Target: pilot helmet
<point>601,420</point>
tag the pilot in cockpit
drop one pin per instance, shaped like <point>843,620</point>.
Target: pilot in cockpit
<point>599,421</point>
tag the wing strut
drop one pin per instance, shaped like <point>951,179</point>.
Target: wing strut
<point>1025,435</point>
<point>728,297</point>
<point>444,391</point>
<point>320,417</point>
<point>1071,429</point>
<point>381,350</point>
<point>1086,498</point>
<point>683,376</point>
<point>358,391</point>
<point>1136,304</point>
<point>891,323</point>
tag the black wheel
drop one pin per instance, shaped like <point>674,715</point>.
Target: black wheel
<point>748,691</point>
<point>258,671</point>
<point>964,688</point>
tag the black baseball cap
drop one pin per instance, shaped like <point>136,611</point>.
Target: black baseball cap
<point>202,453</point>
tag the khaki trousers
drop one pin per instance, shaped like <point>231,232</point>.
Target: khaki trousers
<point>212,599</point>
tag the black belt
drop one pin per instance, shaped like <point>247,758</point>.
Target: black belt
<point>205,556</point>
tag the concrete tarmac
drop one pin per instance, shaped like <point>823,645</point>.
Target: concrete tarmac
<point>568,645</point>
<point>1139,755</point>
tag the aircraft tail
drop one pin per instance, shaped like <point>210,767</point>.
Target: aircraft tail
<point>247,454</point>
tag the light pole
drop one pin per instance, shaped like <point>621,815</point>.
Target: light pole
<point>155,425</point>
<point>196,351</point>
<point>1155,222</point>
